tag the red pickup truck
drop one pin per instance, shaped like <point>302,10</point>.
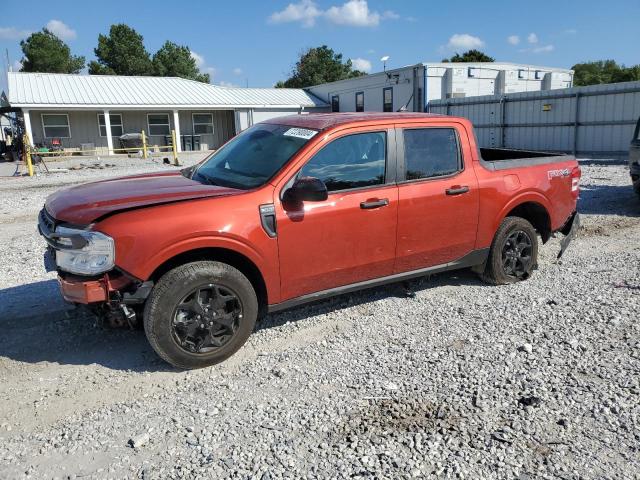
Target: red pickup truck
<point>296,209</point>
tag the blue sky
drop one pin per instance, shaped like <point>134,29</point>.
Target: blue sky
<point>257,42</point>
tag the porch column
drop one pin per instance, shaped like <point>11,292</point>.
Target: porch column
<point>27,124</point>
<point>107,126</point>
<point>176,127</point>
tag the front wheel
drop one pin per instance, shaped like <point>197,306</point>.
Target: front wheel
<point>514,252</point>
<point>200,314</point>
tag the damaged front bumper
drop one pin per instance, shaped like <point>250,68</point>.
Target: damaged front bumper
<point>570,231</point>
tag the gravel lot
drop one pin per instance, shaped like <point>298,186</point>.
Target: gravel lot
<point>535,380</point>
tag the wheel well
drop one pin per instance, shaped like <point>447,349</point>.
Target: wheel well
<point>536,215</point>
<point>230,257</point>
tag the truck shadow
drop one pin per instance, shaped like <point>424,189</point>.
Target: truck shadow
<point>454,278</point>
<point>38,327</point>
<point>609,200</point>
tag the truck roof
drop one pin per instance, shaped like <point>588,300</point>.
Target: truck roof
<point>322,121</point>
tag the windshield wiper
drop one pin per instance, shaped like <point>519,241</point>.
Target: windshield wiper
<point>209,180</point>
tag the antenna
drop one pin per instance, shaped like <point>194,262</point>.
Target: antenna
<point>384,62</point>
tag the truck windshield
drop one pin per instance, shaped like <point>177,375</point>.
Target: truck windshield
<point>253,157</point>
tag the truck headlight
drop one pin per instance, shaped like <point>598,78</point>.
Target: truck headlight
<point>86,252</point>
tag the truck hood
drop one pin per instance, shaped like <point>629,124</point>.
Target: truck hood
<point>84,204</point>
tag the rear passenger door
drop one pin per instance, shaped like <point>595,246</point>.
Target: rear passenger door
<point>438,196</point>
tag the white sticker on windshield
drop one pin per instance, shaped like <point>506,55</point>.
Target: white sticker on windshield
<point>300,133</point>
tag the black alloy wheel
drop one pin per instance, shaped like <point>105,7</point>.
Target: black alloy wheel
<point>516,254</point>
<point>206,318</point>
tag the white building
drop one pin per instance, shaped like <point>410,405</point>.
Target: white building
<point>404,87</point>
<point>95,110</point>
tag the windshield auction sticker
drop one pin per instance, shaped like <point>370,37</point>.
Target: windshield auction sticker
<point>300,133</point>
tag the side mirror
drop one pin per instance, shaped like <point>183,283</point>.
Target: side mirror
<point>306,189</point>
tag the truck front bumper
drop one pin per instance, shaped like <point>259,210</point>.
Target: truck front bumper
<point>76,289</point>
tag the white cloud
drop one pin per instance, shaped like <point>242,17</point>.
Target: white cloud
<point>222,83</point>
<point>539,49</point>
<point>61,29</point>
<point>361,64</point>
<point>198,58</point>
<point>513,39</point>
<point>304,12</point>
<point>571,31</point>
<point>411,19</point>
<point>237,71</point>
<point>13,33</point>
<point>464,41</point>
<point>17,65</point>
<point>390,15</point>
<point>354,13</point>
<point>532,38</point>
<point>544,49</point>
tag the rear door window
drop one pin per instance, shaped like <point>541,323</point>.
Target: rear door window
<point>352,161</point>
<point>431,153</point>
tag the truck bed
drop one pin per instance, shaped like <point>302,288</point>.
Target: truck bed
<point>505,158</point>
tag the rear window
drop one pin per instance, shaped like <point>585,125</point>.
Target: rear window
<point>431,152</point>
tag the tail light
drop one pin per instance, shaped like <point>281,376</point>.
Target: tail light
<point>576,173</point>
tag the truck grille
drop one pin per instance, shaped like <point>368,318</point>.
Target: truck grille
<point>46,223</point>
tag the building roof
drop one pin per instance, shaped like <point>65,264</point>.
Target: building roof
<point>322,121</point>
<point>47,90</point>
<point>485,65</point>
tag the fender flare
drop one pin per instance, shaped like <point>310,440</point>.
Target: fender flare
<point>524,197</point>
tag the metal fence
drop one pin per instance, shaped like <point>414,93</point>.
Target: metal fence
<point>597,120</point>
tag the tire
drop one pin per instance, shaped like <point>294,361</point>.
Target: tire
<point>191,319</point>
<point>515,239</point>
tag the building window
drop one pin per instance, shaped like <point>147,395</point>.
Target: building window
<point>387,99</point>
<point>116,124</point>
<point>202,123</point>
<point>521,74</point>
<point>538,74</point>
<point>431,152</point>
<point>360,102</point>
<point>335,103</point>
<point>158,124</point>
<point>352,161</point>
<point>471,72</point>
<point>56,125</point>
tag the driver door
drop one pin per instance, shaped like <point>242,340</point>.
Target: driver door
<point>351,236</point>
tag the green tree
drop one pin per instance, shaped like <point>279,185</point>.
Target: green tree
<point>603,71</point>
<point>175,61</point>
<point>470,56</point>
<point>319,65</point>
<point>121,53</point>
<point>44,52</point>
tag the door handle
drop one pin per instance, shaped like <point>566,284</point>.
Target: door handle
<point>368,205</point>
<point>457,190</point>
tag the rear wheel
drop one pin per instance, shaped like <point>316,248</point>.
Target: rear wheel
<point>514,252</point>
<point>200,314</point>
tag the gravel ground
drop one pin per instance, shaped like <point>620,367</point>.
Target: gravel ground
<point>535,380</point>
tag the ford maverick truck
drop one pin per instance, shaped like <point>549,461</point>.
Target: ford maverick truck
<point>296,209</point>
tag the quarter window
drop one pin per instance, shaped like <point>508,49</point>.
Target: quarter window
<point>56,125</point>
<point>116,124</point>
<point>335,103</point>
<point>352,161</point>
<point>431,152</point>
<point>158,124</point>
<point>360,102</point>
<point>387,99</point>
<point>202,123</point>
